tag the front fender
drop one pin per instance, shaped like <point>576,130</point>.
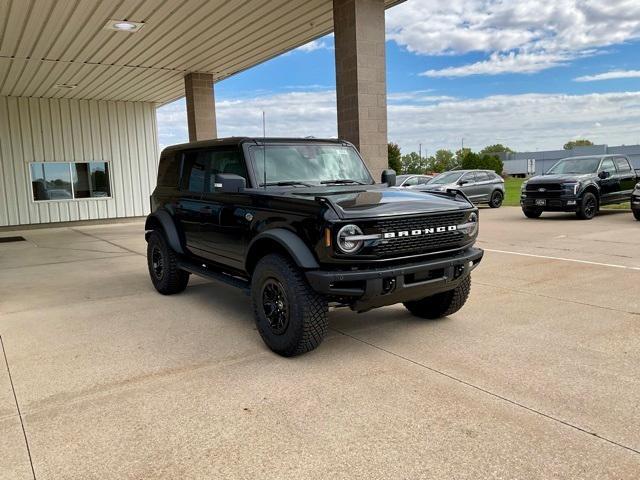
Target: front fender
<point>291,242</point>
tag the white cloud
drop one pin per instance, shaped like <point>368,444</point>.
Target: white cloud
<point>323,43</point>
<point>518,36</point>
<point>615,74</point>
<point>524,122</point>
<point>503,63</point>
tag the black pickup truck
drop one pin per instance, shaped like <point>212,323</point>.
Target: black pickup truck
<point>580,185</point>
<point>301,225</point>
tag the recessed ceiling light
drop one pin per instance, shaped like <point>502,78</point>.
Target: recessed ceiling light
<point>123,26</point>
<point>65,86</point>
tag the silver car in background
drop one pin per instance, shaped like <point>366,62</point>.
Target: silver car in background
<point>412,180</point>
<point>480,186</point>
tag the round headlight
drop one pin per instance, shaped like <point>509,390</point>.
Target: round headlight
<point>473,220</point>
<point>470,227</point>
<point>346,244</point>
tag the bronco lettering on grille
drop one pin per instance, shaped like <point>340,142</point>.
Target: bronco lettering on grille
<point>422,231</point>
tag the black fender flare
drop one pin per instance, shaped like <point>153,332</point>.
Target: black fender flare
<point>164,219</point>
<point>292,243</point>
<point>588,187</point>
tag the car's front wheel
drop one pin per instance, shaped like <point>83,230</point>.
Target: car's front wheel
<point>636,213</point>
<point>163,266</point>
<point>291,317</point>
<point>441,304</point>
<point>532,212</point>
<point>587,207</point>
<point>496,199</point>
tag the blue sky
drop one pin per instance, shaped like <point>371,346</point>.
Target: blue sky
<point>529,74</point>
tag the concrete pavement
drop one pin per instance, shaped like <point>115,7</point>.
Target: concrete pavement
<point>537,377</point>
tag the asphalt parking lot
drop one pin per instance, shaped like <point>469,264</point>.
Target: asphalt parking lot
<point>537,377</point>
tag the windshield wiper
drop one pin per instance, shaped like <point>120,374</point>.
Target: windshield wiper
<point>288,183</point>
<point>342,181</point>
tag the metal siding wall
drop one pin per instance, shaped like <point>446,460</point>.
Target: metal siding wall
<point>63,130</point>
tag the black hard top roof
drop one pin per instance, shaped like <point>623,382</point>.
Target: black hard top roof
<point>235,141</point>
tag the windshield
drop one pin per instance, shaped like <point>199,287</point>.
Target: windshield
<point>575,166</point>
<point>447,177</point>
<point>308,163</point>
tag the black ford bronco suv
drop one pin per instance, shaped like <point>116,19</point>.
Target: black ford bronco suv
<point>580,185</point>
<point>301,225</point>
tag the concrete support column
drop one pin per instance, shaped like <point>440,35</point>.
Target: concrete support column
<point>201,109</point>
<point>361,78</point>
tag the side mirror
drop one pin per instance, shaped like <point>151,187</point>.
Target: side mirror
<point>388,177</point>
<point>604,174</point>
<point>462,182</point>
<point>229,183</point>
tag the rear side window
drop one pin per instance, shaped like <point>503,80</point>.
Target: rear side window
<point>622,164</point>
<point>194,171</point>
<point>423,180</point>
<point>200,168</point>
<point>169,169</point>
<point>483,177</point>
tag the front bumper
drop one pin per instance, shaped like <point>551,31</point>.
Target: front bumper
<point>371,288</point>
<point>568,203</point>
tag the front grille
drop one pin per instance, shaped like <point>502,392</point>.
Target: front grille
<point>420,243</point>
<point>550,190</point>
<point>547,186</point>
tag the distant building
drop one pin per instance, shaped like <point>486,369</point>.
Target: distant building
<point>528,163</point>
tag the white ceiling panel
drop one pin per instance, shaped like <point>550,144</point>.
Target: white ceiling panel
<point>44,43</point>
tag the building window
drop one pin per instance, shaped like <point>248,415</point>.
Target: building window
<point>70,180</point>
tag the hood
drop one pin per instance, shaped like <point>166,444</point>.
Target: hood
<point>379,200</point>
<point>561,178</point>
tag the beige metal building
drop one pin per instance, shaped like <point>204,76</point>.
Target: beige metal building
<point>80,81</point>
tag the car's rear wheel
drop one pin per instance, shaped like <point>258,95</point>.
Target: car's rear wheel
<point>441,304</point>
<point>162,261</point>
<point>496,199</point>
<point>588,207</point>
<point>532,212</point>
<point>291,317</point>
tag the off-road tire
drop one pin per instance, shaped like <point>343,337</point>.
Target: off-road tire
<point>497,197</point>
<point>172,279</point>
<point>441,304</point>
<point>532,212</point>
<point>636,213</point>
<point>588,206</point>
<point>307,323</point>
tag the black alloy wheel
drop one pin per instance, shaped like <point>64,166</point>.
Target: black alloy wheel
<point>496,199</point>
<point>275,306</point>
<point>157,262</point>
<point>588,207</point>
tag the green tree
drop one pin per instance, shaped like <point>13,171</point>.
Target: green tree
<point>460,154</point>
<point>412,163</point>
<point>442,161</point>
<point>475,161</point>
<point>491,162</point>
<point>497,148</point>
<point>394,157</point>
<point>580,142</point>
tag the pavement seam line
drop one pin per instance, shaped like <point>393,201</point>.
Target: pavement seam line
<point>574,260</point>
<point>15,398</point>
<point>93,259</point>
<point>550,297</point>
<point>95,237</point>
<point>489,392</point>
